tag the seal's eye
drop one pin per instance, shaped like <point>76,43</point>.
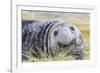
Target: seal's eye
<point>55,33</point>
<point>72,28</point>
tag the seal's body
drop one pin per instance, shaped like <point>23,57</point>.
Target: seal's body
<point>50,36</point>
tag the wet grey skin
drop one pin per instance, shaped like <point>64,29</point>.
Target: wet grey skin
<point>36,35</point>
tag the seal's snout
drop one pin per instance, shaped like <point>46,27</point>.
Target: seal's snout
<point>66,35</point>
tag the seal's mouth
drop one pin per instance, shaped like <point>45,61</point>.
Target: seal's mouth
<point>62,45</point>
<point>66,45</point>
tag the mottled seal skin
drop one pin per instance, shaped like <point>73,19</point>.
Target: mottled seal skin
<point>50,36</point>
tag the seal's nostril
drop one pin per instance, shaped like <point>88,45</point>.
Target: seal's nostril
<point>72,28</point>
<point>73,41</point>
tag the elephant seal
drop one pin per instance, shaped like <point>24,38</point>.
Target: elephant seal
<point>51,37</point>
